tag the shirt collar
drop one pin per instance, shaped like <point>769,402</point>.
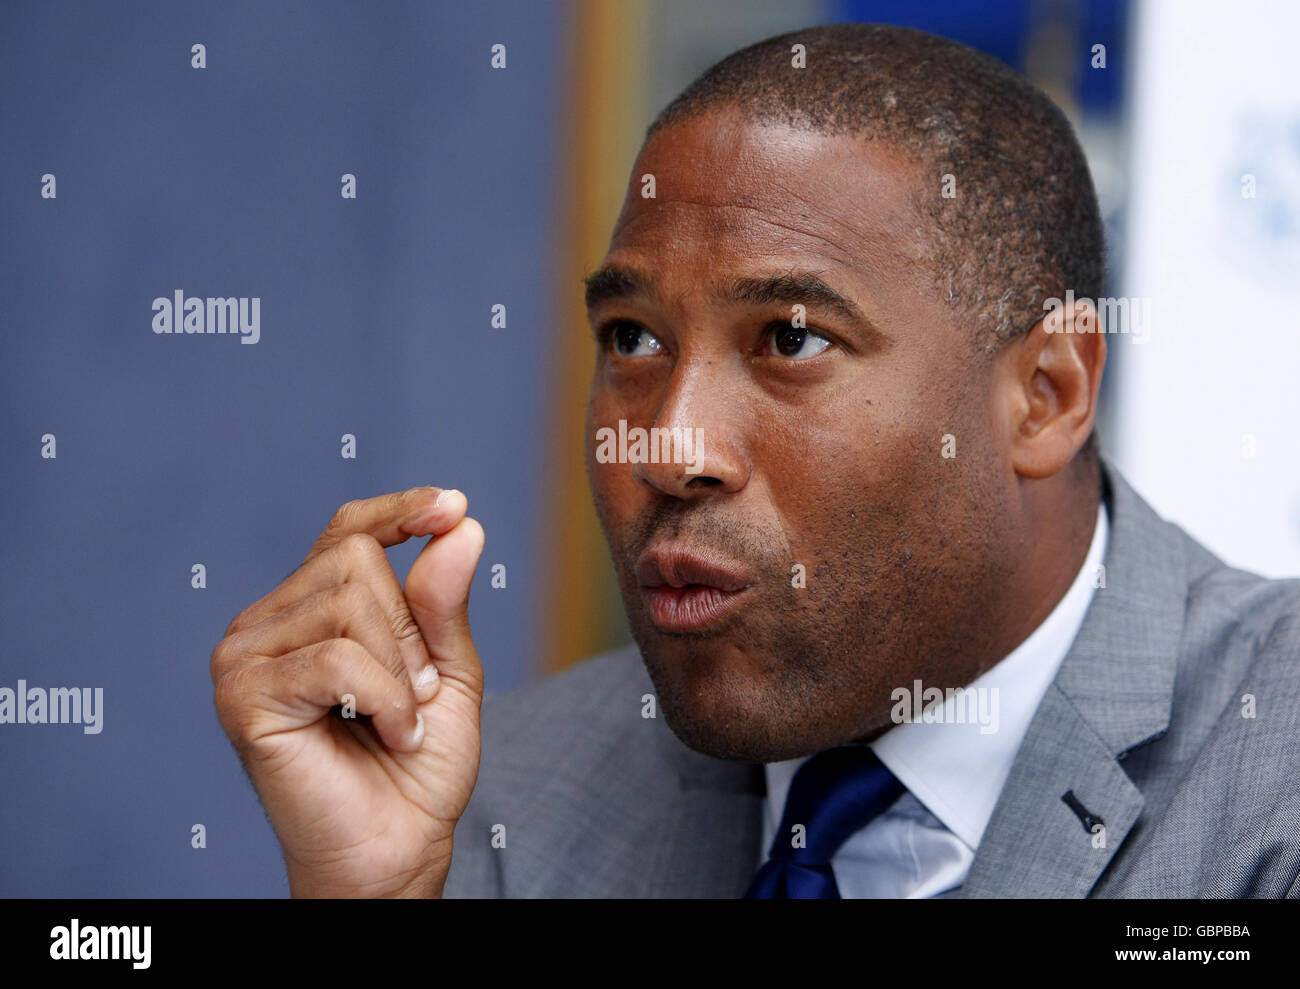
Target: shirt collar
<point>957,769</point>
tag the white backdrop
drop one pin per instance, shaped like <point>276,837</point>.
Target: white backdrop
<point>1207,411</point>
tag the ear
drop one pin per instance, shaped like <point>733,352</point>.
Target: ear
<point>1047,381</point>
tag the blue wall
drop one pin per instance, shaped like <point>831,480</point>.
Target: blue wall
<point>1003,28</point>
<point>175,450</point>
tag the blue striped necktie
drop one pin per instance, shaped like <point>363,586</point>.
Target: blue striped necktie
<point>833,795</point>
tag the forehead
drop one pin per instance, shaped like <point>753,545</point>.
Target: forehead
<point>730,190</point>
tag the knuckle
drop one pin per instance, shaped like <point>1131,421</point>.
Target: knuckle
<point>344,516</point>
<point>404,627</point>
<point>339,657</point>
<point>360,547</point>
<point>229,691</point>
<point>238,622</point>
<point>224,656</point>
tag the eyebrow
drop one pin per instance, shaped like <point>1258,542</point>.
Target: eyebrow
<point>611,283</point>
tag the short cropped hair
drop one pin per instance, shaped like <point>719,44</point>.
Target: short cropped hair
<point>1024,224</point>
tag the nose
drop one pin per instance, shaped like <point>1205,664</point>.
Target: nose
<point>702,428</point>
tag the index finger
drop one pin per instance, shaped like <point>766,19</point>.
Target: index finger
<point>394,518</point>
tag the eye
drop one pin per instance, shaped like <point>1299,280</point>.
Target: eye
<point>630,340</point>
<point>795,343</point>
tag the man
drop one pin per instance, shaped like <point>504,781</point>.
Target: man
<point>839,285</point>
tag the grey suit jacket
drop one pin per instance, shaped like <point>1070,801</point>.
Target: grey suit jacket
<point>1148,724</point>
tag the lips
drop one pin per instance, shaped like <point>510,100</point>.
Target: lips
<point>688,592</point>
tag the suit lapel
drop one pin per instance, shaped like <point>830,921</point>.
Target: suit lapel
<point>1040,842</point>
<point>1112,693</point>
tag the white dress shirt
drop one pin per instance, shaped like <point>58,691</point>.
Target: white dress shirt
<point>924,843</point>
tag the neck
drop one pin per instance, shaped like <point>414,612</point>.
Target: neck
<point>1061,517</point>
<point>1057,520</point>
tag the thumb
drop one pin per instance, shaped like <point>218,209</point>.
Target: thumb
<point>437,591</point>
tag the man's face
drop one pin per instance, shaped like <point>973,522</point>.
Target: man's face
<point>818,550</point>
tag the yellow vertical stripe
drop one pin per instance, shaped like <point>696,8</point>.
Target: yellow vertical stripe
<point>604,56</point>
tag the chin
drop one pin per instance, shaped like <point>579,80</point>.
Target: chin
<point>723,709</point>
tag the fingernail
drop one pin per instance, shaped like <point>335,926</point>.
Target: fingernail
<point>418,735</point>
<point>425,683</point>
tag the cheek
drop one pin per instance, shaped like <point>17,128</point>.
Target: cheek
<point>838,449</point>
<point>603,412</point>
<point>617,494</point>
<point>851,484</point>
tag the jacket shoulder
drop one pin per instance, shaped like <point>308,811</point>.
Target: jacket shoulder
<point>554,751</point>
<point>591,697</point>
<point>1225,777</point>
